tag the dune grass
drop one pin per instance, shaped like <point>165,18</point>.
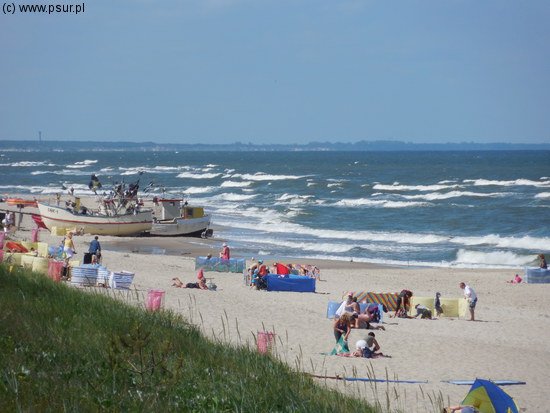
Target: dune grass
<point>65,350</point>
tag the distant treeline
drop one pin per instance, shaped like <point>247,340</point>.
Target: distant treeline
<point>8,145</point>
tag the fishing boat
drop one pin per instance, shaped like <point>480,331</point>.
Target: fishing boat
<point>119,213</point>
<point>177,218</point>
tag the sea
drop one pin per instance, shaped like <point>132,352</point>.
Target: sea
<point>467,209</point>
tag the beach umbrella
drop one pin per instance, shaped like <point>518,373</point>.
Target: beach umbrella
<point>487,397</point>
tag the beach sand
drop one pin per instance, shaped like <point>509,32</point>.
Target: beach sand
<point>510,340</point>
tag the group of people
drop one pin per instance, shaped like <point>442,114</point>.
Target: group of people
<point>69,249</point>
<point>349,315</point>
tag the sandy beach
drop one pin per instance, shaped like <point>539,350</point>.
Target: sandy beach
<point>510,340</point>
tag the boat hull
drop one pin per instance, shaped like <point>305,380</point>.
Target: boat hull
<point>118,225</point>
<point>181,227</point>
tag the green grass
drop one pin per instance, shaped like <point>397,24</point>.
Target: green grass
<point>65,350</point>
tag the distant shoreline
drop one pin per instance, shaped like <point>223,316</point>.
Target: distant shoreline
<point>362,146</point>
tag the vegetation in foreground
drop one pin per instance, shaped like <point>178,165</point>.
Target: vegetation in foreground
<point>65,350</point>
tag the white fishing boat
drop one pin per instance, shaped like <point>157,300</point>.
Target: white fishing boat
<point>118,214</point>
<point>179,219</point>
<point>131,223</point>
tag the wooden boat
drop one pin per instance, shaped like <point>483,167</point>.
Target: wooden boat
<point>119,224</point>
<point>179,219</point>
<point>118,214</point>
<point>21,203</point>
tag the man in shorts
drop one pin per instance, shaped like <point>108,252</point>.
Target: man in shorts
<point>471,296</point>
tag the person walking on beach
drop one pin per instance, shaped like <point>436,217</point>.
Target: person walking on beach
<point>68,246</point>
<point>95,249</point>
<point>225,254</point>
<point>471,296</point>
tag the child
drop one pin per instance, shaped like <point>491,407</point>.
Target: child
<point>437,305</point>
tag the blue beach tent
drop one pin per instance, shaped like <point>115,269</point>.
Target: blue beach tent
<point>487,397</point>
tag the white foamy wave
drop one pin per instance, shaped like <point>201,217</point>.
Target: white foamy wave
<point>543,195</point>
<point>199,189</point>
<point>493,258</point>
<point>191,175</point>
<point>527,242</point>
<point>81,164</point>
<point>235,184</point>
<point>27,164</point>
<point>294,198</point>
<point>453,194</point>
<point>517,182</point>
<point>40,172</point>
<point>311,184</point>
<point>234,197</point>
<point>211,165</point>
<point>334,184</point>
<point>379,203</point>
<point>397,187</point>
<point>260,176</point>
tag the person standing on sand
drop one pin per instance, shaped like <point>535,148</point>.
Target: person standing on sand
<point>471,296</point>
<point>225,254</point>
<point>68,247</point>
<point>542,262</point>
<point>95,248</point>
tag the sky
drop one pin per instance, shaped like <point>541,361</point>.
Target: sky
<point>278,71</point>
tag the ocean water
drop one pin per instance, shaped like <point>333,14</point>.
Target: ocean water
<point>445,209</point>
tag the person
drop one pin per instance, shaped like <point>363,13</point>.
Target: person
<point>95,249</point>
<point>225,254</point>
<point>346,305</point>
<point>460,409</point>
<point>367,347</point>
<point>516,280</point>
<point>342,326</point>
<point>68,246</point>
<point>471,296</point>
<point>423,311</point>
<point>258,277</point>
<point>437,305</point>
<point>57,198</point>
<point>403,303</point>
<point>542,262</point>
<point>201,284</point>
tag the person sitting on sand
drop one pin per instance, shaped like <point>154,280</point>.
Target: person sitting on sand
<point>346,305</point>
<point>423,311</point>
<point>342,326</point>
<point>367,347</point>
<point>542,262</point>
<point>370,315</point>
<point>516,280</point>
<point>403,303</point>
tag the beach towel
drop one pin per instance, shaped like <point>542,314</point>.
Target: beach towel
<point>387,299</point>
<point>341,347</point>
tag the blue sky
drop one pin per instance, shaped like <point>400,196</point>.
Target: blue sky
<point>281,71</point>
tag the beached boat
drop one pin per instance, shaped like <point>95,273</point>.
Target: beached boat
<point>179,219</point>
<point>119,213</point>
<point>119,224</point>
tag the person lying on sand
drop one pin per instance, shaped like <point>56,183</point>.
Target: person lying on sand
<point>201,284</point>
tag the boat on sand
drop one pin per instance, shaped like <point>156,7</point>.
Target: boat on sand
<point>118,213</point>
<point>177,218</point>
